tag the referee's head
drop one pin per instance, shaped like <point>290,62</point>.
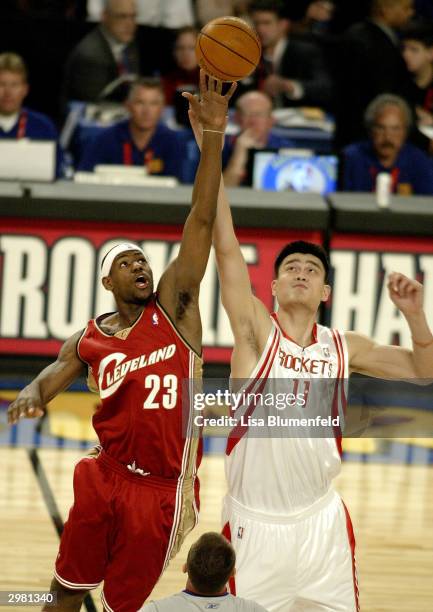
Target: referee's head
<point>210,564</point>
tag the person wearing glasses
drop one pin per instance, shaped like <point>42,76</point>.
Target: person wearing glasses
<point>388,120</point>
<point>108,52</point>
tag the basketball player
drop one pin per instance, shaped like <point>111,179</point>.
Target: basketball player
<point>209,565</point>
<point>138,499</point>
<point>291,532</point>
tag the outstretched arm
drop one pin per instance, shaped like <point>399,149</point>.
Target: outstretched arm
<point>55,378</point>
<point>393,362</point>
<point>248,316</point>
<point>178,288</point>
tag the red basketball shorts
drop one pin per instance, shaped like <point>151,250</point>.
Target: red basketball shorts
<point>123,529</point>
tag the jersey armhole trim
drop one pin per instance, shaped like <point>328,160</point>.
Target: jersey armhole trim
<point>77,348</point>
<point>171,323</point>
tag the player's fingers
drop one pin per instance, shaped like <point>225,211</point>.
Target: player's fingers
<point>231,91</point>
<point>212,83</point>
<point>203,87</point>
<point>12,413</point>
<point>403,285</point>
<point>193,101</point>
<point>219,86</point>
<point>394,279</point>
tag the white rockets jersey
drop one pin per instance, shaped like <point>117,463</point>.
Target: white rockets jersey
<point>188,602</point>
<point>277,473</point>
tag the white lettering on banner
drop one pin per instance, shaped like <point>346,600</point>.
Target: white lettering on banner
<point>224,335</point>
<point>71,286</point>
<point>347,300</point>
<point>370,297</point>
<point>207,303</point>
<point>22,296</point>
<point>109,380</point>
<point>52,292</point>
<point>389,320</point>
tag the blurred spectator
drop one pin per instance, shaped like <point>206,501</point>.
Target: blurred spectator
<point>17,121</point>
<point>315,18</point>
<point>291,71</point>
<point>211,9</point>
<point>418,55</point>
<point>371,64</point>
<point>187,70</point>
<point>140,140</point>
<point>166,13</point>
<point>210,565</point>
<point>254,117</point>
<point>158,22</point>
<point>108,52</point>
<point>388,120</point>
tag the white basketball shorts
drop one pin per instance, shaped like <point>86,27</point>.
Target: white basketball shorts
<point>304,561</point>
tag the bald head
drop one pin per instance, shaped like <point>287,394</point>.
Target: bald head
<point>254,100</point>
<point>393,13</point>
<point>254,113</point>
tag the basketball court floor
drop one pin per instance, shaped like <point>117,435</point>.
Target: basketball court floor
<point>387,485</point>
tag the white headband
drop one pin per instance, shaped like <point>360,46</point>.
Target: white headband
<point>109,257</point>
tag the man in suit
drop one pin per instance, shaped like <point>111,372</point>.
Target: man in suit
<point>105,54</point>
<point>371,64</point>
<point>291,70</point>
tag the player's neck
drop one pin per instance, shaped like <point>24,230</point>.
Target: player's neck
<point>425,76</point>
<point>128,314</point>
<point>191,589</point>
<point>298,324</point>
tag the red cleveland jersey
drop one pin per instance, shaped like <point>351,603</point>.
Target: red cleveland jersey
<point>146,418</point>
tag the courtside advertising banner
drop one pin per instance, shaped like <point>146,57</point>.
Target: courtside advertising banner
<point>50,278</point>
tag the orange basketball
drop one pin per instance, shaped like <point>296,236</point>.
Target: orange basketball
<point>228,48</point>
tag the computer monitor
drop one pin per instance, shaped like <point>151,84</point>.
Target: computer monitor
<point>27,160</point>
<point>289,171</point>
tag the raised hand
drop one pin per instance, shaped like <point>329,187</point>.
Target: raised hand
<point>407,294</point>
<point>25,406</point>
<point>210,110</point>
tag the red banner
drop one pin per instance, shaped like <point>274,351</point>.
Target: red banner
<point>50,287</point>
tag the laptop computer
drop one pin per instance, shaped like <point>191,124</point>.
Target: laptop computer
<point>27,160</point>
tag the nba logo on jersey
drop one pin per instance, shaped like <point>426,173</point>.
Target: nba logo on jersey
<point>155,320</point>
<point>326,351</point>
<point>240,533</point>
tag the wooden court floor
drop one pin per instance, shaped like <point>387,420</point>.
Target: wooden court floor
<point>391,508</point>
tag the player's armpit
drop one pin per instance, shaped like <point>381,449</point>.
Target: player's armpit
<point>380,361</point>
<point>181,306</point>
<point>55,378</point>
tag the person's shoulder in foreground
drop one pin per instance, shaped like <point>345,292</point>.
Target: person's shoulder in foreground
<point>186,601</point>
